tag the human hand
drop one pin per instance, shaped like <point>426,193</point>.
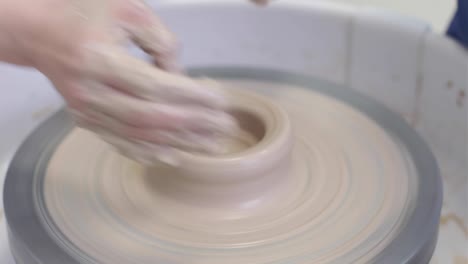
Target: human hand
<point>148,112</point>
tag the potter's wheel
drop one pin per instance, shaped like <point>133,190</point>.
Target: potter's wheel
<point>361,187</point>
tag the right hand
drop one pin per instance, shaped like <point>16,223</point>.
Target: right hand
<point>149,112</point>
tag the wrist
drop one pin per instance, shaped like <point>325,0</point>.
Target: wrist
<point>10,31</point>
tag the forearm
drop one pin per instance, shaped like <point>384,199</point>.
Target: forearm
<point>10,48</point>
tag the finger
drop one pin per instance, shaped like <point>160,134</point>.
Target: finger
<point>144,115</point>
<point>148,154</point>
<point>71,90</point>
<point>150,33</point>
<point>182,140</point>
<point>118,69</point>
<point>187,141</point>
<point>120,36</point>
<point>201,140</point>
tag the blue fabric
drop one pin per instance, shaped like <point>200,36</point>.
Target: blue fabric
<point>458,29</point>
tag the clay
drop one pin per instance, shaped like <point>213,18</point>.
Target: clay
<point>311,180</point>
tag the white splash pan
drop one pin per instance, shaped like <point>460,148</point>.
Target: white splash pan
<point>398,61</point>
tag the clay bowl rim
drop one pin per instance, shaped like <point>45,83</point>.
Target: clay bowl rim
<point>277,134</point>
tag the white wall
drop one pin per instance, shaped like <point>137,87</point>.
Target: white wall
<point>437,12</point>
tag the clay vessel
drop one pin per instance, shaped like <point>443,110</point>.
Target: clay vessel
<point>254,165</point>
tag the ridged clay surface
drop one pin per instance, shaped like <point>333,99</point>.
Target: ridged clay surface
<point>340,195</point>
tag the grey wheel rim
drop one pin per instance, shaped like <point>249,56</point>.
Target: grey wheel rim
<point>31,243</point>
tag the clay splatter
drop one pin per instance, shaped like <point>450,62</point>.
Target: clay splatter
<point>460,260</point>
<point>39,114</point>
<point>449,85</point>
<point>461,98</point>
<point>445,219</point>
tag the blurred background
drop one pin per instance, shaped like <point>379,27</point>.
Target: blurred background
<point>438,13</point>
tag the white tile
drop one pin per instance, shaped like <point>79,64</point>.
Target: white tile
<point>442,114</point>
<point>385,58</point>
<point>442,120</point>
<point>235,34</point>
<point>438,13</point>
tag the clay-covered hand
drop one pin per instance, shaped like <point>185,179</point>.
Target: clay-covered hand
<point>147,111</point>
